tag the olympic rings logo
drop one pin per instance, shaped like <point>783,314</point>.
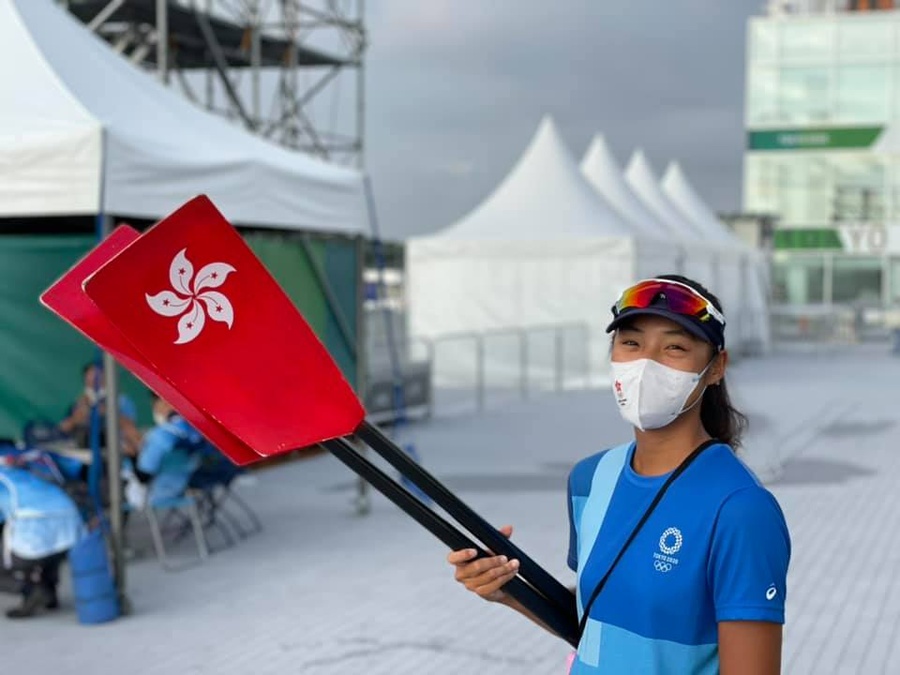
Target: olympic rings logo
<point>662,566</point>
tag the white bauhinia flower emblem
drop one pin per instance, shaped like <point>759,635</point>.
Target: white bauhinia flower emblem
<point>191,299</point>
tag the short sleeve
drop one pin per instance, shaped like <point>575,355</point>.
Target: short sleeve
<point>749,558</point>
<point>5,502</point>
<point>157,444</point>
<point>573,533</point>
<point>127,408</point>
<point>578,489</point>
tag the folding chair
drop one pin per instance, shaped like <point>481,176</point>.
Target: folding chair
<point>213,482</point>
<point>168,494</point>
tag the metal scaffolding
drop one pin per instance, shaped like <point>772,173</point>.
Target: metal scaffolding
<point>291,71</point>
<point>277,67</point>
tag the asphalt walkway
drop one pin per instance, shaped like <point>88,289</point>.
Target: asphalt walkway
<point>326,592</point>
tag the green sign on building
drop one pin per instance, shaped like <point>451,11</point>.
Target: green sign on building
<point>813,139</point>
<point>808,238</point>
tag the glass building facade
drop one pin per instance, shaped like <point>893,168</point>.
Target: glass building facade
<point>823,153</point>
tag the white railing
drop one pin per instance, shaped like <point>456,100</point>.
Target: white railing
<point>474,369</point>
<point>820,324</point>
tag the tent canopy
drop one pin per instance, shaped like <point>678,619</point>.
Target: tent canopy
<point>753,313</point>
<point>643,181</point>
<point>544,248</point>
<point>602,171</point>
<point>544,196</point>
<point>83,131</point>
<point>681,193</point>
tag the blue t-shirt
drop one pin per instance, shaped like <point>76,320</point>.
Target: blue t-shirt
<point>715,549</point>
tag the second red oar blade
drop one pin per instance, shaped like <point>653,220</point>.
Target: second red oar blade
<point>194,300</point>
<point>67,299</point>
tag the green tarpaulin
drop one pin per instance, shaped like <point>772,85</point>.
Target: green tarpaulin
<point>41,356</point>
<point>285,258</point>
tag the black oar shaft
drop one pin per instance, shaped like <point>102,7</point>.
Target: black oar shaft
<point>529,570</point>
<point>564,625</point>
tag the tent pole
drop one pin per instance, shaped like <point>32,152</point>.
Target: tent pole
<point>361,90</point>
<point>210,93</point>
<point>255,62</point>
<point>114,458</point>
<point>363,501</point>
<point>162,40</point>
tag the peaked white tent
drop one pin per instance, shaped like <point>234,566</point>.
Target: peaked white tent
<point>682,195</point>
<point>754,320</point>
<point>700,254</point>
<point>601,170</point>
<point>543,197</point>
<point>642,179</point>
<point>83,132</point>
<point>543,249</point>
<point>713,260</point>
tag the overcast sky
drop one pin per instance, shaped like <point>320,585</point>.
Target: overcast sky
<point>456,90</point>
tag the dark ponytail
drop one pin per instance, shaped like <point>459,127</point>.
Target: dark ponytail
<point>720,418</point>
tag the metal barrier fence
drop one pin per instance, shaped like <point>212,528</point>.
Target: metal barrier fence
<point>814,324</point>
<point>471,371</point>
<point>474,369</point>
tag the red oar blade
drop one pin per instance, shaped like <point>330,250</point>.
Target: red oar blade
<point>67,299</point>
<point>192,298</point>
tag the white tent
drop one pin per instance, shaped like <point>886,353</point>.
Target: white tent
<point>700,254</point>
<point>603,172</point>
<point>682,195</point>
<point>712,260</point>
<point>543,249</point>
<point>82,132</point>
<point>754,322</point>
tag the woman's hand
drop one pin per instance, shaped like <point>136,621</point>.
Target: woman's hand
<point>487,576</point>
<point>79,417</point>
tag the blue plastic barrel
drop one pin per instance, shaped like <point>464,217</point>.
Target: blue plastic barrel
<point>96,600</point>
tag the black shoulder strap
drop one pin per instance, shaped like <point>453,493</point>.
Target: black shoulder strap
<point>686,462</point>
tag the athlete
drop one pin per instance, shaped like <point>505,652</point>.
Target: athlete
<point>681,555</point>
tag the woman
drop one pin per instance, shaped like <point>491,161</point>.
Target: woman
<point>681,555</point>
<point>77,423</point>
<point>172,444</point>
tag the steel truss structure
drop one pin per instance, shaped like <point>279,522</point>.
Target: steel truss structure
<point>230,55</point>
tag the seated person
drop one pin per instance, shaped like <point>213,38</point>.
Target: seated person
<point>171,444</point>
<point>77,424</point>
<point>40,524</point>
<point>215,469</point>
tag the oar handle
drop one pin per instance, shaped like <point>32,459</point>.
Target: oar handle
<point>529,570</point>
<point>565,625</point>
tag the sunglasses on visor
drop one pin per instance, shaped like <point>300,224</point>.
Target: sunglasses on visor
<point>679,298</point>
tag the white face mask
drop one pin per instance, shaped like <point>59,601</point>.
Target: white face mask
<point>651,395</point>
<point>94,396</point>
<point>160,418</point>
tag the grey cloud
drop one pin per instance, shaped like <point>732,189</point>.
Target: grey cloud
<point>465,84</point>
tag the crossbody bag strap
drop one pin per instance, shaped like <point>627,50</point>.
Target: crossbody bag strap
<point>686,462</point>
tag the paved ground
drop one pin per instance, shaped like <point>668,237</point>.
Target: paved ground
<point>325,592</point>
